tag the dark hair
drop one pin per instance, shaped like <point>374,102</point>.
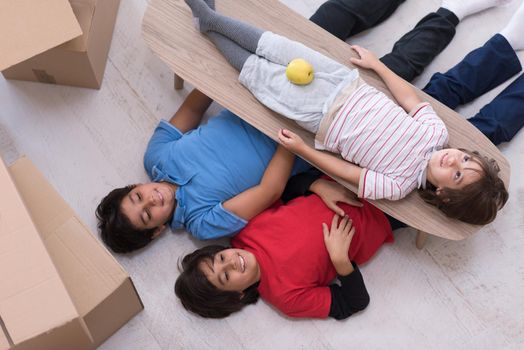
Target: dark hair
<point>476,203</point>
<point>116,229</point>
<point>198,295</point>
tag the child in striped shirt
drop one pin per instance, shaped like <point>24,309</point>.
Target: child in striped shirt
<point>388,149</point>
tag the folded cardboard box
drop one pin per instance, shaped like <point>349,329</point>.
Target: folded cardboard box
<point>60,288</point>
<point>56,41</point>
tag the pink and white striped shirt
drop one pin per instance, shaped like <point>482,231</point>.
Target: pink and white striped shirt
<point>392,146</point>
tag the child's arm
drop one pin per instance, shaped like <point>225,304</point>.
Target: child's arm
<point>327,162</point>
<point>332,193</point>
<point>403,92</point>
<point>254,200</point>
<point>190,113</point>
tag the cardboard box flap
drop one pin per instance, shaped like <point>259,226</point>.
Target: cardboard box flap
<point>29,27</point>
<point>47,209</point>
<point>84,11</point>
<point>89,272</point>
<point>33,298</point>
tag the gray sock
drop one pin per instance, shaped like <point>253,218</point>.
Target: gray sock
<point>235,54</point>
<point>240,32</point>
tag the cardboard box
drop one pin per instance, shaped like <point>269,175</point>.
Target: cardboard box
<point>56,41</point>
<point>61,289</point>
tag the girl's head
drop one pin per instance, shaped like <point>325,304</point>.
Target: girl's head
<point>453,169</point>
<point>216,281</point>
<point>465,186</point>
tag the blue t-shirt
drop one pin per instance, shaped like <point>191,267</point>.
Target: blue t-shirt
<point>210,164</point>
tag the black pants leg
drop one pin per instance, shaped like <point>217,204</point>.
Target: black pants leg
<point>417,48</point>
<point>344,18</point>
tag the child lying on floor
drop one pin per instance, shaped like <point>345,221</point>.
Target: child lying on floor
<point>389,149</point>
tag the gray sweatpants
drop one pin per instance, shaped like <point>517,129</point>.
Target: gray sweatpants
<point>264,74</point>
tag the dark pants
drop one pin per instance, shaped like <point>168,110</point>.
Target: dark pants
<point>480,71</point>
<point>411,53</point>
<point>344,18</point>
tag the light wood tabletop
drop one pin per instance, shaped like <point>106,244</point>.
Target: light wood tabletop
<point>168,30</point>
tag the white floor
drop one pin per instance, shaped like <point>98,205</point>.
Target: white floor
<point>449,295</point>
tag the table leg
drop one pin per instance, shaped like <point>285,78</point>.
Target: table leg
<point>421,239</point>
<point>179,82</point>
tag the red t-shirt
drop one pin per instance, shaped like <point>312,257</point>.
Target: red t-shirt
<point>295,267</point>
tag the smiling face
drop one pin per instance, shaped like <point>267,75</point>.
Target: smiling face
<point>231,270</point>
<point>452,168</point>
<point>149,205</point>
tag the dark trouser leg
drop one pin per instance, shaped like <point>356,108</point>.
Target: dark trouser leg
<point>344,18</point>
<point>480,71</point>
<point>503,117</point>
<point>417,48</point>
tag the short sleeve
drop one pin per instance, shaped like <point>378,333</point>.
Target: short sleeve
<point>165,135</point>
<point>215,223</point>
<point>426,115</point>
<point>373,185</point>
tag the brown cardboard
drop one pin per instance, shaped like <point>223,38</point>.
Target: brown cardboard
<point>98,294</point>
<point>33,299</point>
<point>29,27</point>
<point>78,62</point>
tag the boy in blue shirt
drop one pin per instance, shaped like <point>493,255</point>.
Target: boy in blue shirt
<point>200,178</point>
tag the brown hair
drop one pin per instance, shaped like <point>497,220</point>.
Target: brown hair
<point>476,203</point>
<point>198,295</point>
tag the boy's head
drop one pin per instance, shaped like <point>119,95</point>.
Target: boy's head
<point>199,295</point>
<point>132,216</point>
<point>465,186</point>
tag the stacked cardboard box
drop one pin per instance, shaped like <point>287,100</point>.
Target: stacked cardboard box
<point>56,41</point>
<point>60,288</point>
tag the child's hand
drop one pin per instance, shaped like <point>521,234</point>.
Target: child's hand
<point>367,58</point>
<point>332,192</point>
<point>337,241</point>
<point>291,141</point>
